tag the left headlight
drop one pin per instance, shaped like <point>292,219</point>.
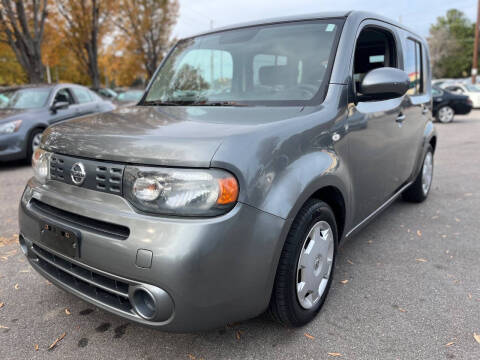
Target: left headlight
<point>40,164</point>
<point>10,127</point>
<point>182,192</point>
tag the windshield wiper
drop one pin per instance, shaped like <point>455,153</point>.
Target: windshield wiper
<point>161,103</point>
<point>218,103</point>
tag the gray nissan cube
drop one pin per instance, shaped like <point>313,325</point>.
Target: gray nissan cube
<point>254,153</point>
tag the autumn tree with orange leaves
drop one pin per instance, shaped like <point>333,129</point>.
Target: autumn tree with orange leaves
<point>147,26</point>
<point>86,23</point>
<point>22,24</point>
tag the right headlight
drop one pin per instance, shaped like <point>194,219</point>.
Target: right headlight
<point>40,164</point>
<point>182,192</point>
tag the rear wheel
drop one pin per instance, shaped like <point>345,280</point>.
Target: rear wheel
<point>445,114</point>
<point>305,269</point>
<point>419,190</point>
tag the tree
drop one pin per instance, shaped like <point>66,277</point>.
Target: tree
<point>21,27</point>
<point>148,24</point>
<point>451,45</point>
<point>86,23</point>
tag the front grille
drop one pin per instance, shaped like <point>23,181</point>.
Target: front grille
<point>99,227</point>
<point>104,289</point>
<point>100,175</point>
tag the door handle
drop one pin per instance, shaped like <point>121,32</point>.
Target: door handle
<point>400,118</point>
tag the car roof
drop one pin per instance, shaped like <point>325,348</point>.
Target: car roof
<point>361,15</point>
<point>39,86</point>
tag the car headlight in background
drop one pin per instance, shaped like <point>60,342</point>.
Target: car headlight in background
<point>183,192</point>
<point>40,164</point>
<point>10,127</point>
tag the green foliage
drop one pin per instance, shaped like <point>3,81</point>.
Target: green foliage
<point>451,45</point>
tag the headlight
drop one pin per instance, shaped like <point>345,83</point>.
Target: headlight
<point>40,164</point>
<point>10,127</point>
<point>184,192</point>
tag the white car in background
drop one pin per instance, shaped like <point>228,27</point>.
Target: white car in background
<point>471,90</point>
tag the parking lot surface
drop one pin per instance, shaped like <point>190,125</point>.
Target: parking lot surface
<point>413,289</point>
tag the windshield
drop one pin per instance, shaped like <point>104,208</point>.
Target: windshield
<point>24,98</point>
<point>282,64</point>
<point>473,88</point>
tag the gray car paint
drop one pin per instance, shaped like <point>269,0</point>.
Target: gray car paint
<point>222,269</point>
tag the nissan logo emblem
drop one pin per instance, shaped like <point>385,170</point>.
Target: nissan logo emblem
<point>78,173</point>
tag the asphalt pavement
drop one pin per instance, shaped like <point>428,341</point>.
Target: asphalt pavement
<point>413,289</point>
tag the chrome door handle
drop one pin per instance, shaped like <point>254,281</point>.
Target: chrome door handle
<point>400,118</point>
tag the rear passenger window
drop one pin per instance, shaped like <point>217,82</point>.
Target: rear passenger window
<point>413,67</point>
<point>83,95</point>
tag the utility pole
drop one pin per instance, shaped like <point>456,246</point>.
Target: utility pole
<point>475,47</point>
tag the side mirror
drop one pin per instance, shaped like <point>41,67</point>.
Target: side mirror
<point>383,84</point>
<point>59,105</point>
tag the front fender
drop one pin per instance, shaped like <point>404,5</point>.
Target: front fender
<point>429,132</point>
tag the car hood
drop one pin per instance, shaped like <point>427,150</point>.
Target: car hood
<point>162,135</point>
<point>9,114</point>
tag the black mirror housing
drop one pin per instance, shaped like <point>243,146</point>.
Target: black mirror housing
<point>384,83</point>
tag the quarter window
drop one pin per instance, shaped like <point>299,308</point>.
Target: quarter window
<point>413,67</point>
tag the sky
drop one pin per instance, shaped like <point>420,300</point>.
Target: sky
<point>199,15</point>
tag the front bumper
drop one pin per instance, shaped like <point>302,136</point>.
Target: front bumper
<point>12,147</point>
<point>213,271</point>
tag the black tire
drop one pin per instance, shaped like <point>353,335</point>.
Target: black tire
<point>415,193</point>
<point>284,304</point>
<point>34,133</point>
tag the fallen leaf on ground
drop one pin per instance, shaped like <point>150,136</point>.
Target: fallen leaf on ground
<point>191,357</point>
<point>1,304</point>
<point>476,337</point>
<point>350,262</point>
<point>457,219</point>
<point>309,336</point>
<point>56,341</point>
<point>450,343</point>
<point>402,309</point>
<point>16,286</point>
<point>344,281</point>
<point>469,296</point>
<point>67,312</point>
<point>421,260</point>
<point>419,233</point>
<point>238,334</point>
<point>36,347</point>
<point>3,327</point>
<point>369,241</point>
<point>334,354</point>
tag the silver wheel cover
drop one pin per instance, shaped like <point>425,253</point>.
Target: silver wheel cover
<point>427,173</point>
<point>36,141</point>
<point>315,264</point>
<point>445,114</point>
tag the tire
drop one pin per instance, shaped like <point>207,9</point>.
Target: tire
<point>33,143</point>
<point>285,304</point>
<point>418,191</point>
<point>445,114</point>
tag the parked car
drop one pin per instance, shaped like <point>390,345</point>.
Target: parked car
<point>446,104</point>
<point>128,97</point>
<point>227,190</point>
<point>25,112</point>
<point>470,90</point>
<point>106,93</point>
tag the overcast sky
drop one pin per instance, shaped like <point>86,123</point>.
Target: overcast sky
<point>197,15</point>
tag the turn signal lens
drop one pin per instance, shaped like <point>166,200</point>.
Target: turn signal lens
<point>147,188</point>
<point>40,164</point>
<point>228,191</point>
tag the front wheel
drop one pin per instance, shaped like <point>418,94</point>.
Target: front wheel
<point>445,114</point>
<point>419,190</point>
<point>305,269</point>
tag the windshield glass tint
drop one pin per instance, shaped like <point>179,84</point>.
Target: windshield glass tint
<point>274,63</point>
<point>24,98</point>
<point>473,88</point>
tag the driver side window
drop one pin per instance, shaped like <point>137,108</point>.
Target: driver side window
<point>375,48</point>
<point>63,95</point>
